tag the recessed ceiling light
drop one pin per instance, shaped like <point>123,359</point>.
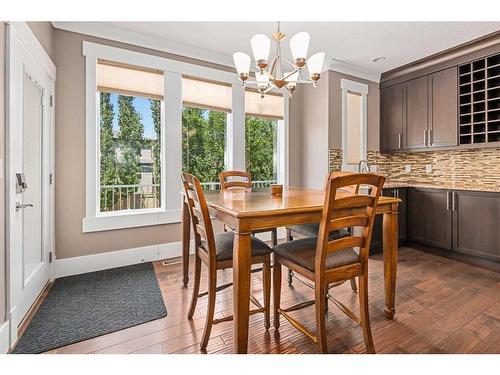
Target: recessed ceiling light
<point>378,59</point>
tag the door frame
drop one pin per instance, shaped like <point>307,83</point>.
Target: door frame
<point>21,32</point>
<point>361,89</point>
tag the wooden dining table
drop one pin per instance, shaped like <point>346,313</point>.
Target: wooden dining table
<point>248,211</point>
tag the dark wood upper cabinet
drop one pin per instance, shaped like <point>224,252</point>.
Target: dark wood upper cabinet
<point>476,218</point>
<point>416,114</point>
<point>443,122</point>
<point>391,118</point>
<point>430,217</point>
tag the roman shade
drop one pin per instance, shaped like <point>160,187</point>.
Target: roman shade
<point>206,94</point>
<point>270,106</point>
<point>129,80</point>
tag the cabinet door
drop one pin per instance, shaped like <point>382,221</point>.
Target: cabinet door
<point>391,118</point>
<point>476,227</point>
<point>416,117</point>
<point>443,108</point>
<point>430,217</point>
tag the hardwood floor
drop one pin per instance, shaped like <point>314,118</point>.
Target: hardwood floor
<point>442,306</point>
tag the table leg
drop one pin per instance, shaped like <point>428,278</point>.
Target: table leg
<point>186,228</point>
<point>241,291</point>
<point>390,243</point>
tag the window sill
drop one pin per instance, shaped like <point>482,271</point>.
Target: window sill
<point>129,220</point>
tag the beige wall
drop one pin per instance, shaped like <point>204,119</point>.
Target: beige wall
<point>314,137</point>
<point>335,111</point>
<point>3,283</point>
<point>70,158</point>
<point>44,33</point>
<point>294,139</point>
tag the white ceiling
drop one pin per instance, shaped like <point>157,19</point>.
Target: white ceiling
<point>356,43</point>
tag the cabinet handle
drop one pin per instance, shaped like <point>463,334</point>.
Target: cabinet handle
<point>429,134</point>
<point>425,137</point>
<point>453,200</point>
<point>447,201</point>
<point>399,140</point>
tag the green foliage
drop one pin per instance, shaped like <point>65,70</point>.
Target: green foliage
<point>203,140</point>
<point>260,147</point>
<point>109,175</point>
<point>156,143</point>
<point>130,139</point>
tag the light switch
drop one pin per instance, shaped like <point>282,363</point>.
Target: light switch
<point>428,168</point>
<point>407,168</point>
<point>374,168</point>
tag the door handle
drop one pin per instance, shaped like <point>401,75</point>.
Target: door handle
<point>447,201</point>
<point>454,196</point>
<point>22,205</point>
<point>399,140</point>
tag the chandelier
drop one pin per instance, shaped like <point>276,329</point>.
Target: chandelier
<point>280,73</point>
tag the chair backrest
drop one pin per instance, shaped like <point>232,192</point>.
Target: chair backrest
<point>352,189</point>
<point>243,180</point>
<point>351,210</point>
<point>200,217</point>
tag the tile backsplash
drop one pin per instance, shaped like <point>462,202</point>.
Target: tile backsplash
<point>471,169</point>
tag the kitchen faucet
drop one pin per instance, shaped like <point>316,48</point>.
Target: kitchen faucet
<point>363,167</point>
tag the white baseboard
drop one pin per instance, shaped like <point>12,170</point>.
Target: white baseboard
<point>4,337</point>
<point>119,258</point>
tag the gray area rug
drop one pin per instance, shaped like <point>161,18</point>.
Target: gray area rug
<point>84,306</point>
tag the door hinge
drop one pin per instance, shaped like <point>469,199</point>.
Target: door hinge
<point>51,178</point>
<point>50,257</point>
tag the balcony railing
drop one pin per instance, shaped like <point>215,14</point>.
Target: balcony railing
<point>129,197</point>
<point>132,197</point>
<point>255,185</point>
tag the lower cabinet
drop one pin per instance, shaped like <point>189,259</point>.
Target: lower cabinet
<point>430,217</point>
<point>476,223</point>
<point>456,220</point>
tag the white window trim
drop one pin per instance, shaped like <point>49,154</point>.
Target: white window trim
<point>171,142</point>
<point>362,89</point>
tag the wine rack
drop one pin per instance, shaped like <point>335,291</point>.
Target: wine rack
<point>479,101</point>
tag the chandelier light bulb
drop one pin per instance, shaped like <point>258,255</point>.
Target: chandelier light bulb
<point>315,65</point>
<point>242,63</point>
<point>261,44</point>
<point>299,45</point>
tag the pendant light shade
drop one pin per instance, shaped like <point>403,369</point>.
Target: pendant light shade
<point>315,63</point>
<point>299,45</point>
<point>242,63</point>
<point>261,45</point>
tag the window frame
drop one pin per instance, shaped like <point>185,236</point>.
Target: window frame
<point>361,89</point>
<point>171,135</point>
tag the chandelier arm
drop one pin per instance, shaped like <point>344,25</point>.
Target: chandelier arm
<point>273,65</point>
<point>290,74</point>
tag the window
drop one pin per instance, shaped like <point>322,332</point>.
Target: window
<point>149,118</point>
<point>354,132</point>
<point>205,110</point>
<point>264,118</point>
<point>130,101</point>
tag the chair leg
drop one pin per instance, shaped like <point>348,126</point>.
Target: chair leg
<point>289,237</point>
<point>196,286</point>
<point>354,287</point>
<point>365,318</point>
<point>266,287</point>
<point>276,292</point>
<point>319,293</point>
<point>274,237</point>
<point>212,289</point>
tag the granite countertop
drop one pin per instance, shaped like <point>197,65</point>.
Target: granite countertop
<point>451,186</point>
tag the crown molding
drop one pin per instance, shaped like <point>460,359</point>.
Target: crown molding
<point>101,30</point>
<point>353,70</point>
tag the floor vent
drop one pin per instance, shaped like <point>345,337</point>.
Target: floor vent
<point>170,261</point>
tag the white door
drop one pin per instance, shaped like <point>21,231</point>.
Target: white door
<point>29,187</point>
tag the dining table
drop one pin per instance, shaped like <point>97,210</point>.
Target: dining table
<point>253,210</point>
